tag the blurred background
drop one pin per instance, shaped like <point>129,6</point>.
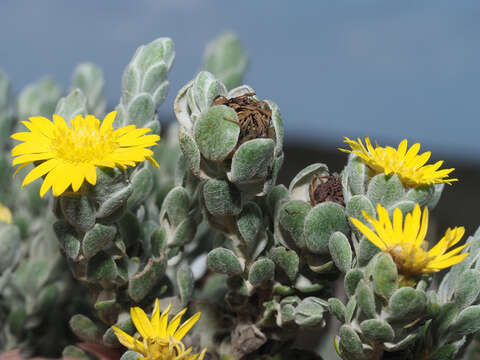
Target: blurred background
<point>390,70</point>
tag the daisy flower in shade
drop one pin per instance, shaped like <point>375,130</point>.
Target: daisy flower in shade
<point>161,339</point>
<point>404,239</point>
<point>407,164</point>
<point>5,214</point>
<point>70,155</point>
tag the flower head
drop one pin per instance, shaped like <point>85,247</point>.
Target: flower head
<point>161,340</point>
<point>70,155</point>
<point>404,240</point>
<point>408,165</point>
<point>5,214</point>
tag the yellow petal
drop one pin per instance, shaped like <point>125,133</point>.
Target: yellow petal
<point>78,175</point>
<point>141,322</point>
<point>125,339</point>
<point>369,234</point>
<point>152,160</point>
<point>202,354</point>
<point>32,157</point>
<point>448,262</point>
<point>30,148</point>
<point>423,228</point>
<point>61,181</point>
<point>156,317</point>
<point>44,126</point>
<point>164,321</point>
<point>59,122</point>
<point>48,182</point>
<point>186,326</point>
<point>91,174</point>
<point>20,168</point>
<point>107,123</point>
<point>40,170</point>
<point>173,325</point>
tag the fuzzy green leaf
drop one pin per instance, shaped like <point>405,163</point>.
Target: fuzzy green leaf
<point>185,283</point>
<point>321,222</point>
<point>310,312</point>
<point>385,190</point>
<point>292,219</point>
<point>337,308</point>
<point>285,260</point>
<point>377,330</point>
<point>352,279</point>
<point>385,275</point>
<point>350,341</point>
<point>97,239</point>
<point>224,261</point>
<point>85,329</point>
<point>79,211</point>
<point>341,251</point>
<point>140,285</point>
<point>406,304</point>
<point>216,132</point>
<point>252,161</point>
<point>365,299</point>
<point>261,271</point>
<point>222,198</point>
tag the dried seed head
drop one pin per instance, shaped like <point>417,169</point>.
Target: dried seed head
<point>326,188</point>
<point>254,116</point>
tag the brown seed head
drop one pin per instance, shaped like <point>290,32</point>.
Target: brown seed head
<point>254,116</point>
<point>326,188</point>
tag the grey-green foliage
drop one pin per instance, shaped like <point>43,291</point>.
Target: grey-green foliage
<point>89,79</point>
<point>38,286</point>
<point>314,230</point>
<point>6,119</point>
<point>238,199</point>
<point>100,234</point>
<point>364,191</point>
<point>75,103</point>
<point>167,154</point>
<point>145,84</point>
<point>212,225</point>
<point>225,58</point>
<point>367,190</point>
<point>9,252</point>
<point>35,99</point>
<point>455,306</point>
<point>178,223</point>
<point>210,142</point>
<point>114,237</point>
<point>380,316</point>
<point>38,99</point>
<point>6,124</point>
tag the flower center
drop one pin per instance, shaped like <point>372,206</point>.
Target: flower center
<point>410,262</point>
<point>84,144</point>
<point>160,348</point>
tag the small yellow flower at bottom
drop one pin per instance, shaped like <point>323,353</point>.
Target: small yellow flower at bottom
<point>404,240</point>
<point>161,340</point>
<point>70,155</point>
<point>406,163</point>
<point>5,214</point>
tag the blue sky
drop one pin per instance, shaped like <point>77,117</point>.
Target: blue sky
<point>388,69</point>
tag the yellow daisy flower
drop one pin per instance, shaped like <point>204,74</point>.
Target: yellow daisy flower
<point>5,214</point>
<point>161,340</point>
<point>69,155</point>
<point>404,240</point>
<point>408,165</point>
